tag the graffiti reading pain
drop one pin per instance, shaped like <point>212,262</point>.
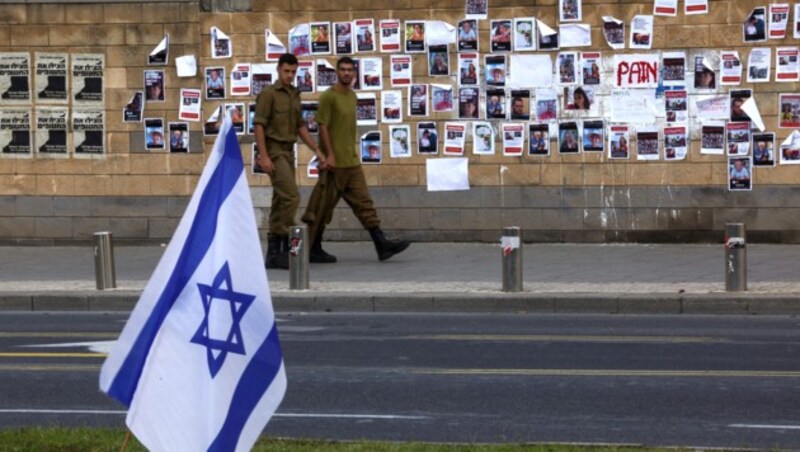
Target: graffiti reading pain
<point>636,71</point>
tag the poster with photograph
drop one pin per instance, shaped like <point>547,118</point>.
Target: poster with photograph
<point>418,100</point>
<point>213,123</point>
<point>372,74</point>
<point>88,131</point>
<point>568,68</point>
<point>391,106</point>
<point>237,116</point>
<point>513,139</point>
<point>468,101</point>
<point>454,137</point>
<point>401,71</point>
<point>730,68</point>
<point>251,115</point>
<point>356,83</point>
<point>299,40</point>
<point>261,76</point>
<point>546,105</point>
<point>539,139</point>
<point>482,138</point>
<point>548,38</point>
<point>215,82</point>
<point>240,79</point>
<point>221,45</point>
<point>740,175</point>
<point>674,68</point>
<point>51,131</point>
<point>371,147</point>
<point>308,111</point>
<point>618,139</point>
<point>390,35</point>
<point>524,34</point>
<point>399,141</point>
<point>594,135</point>
<point>614,32</point>
<point>754,28</point>
<point>500,35</point>
<point>591,68</point>
<point>738,98</point>
<point>320,38</point>
<point>676,106</point>
<point>134,109</point>
<point>477,9</point>
<point>647,143</point>
<point>691,7</point>
<point>520,105</point>
<point>427,138</point>
<point>568,138</point>
<point>579,98</point>
<point>178,136</point>
<point>343,37</point>
<point>366,109</point>
<point>15,132</point>
<point>495,66</point>
<point>789,111</point>
<point>712,138</point>
<point>87,79</point>
<point>787,67</point>
<point>304,78</point>
<point>763,149</point>
<point>778,20</point>
<point>438,60</point>
<point>159,56</point>
<point>415,36</point>
<point>790,149</point>
<point>796,26</point>
<point>675,143</point>
<point>704,75</point>
<point>495,103</point>
<point>641,32</point>
<point>191,105</point>
<point>468,69</point>
<point>570,10</point>
<point>665,8</point>
<point>468,36</point>
<point>51,78</point>
<point>365,35</point>
<point>326,75</point>
<point>273,47</point>
<point>759,65</point>
<point>154,85</point>
<point>442,98</point>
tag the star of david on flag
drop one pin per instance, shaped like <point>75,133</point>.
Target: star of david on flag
<point>199,363</point>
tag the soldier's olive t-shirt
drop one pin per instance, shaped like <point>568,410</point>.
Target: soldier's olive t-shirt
<point>338,111</point>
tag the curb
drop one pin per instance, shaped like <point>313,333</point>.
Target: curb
<point>493,302</point>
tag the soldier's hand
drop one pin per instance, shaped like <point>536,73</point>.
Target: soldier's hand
<point>266,164</point>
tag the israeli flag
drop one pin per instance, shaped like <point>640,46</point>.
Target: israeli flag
<point>199,363</point>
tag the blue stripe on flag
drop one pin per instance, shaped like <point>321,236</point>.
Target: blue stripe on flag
<point>256,379</point>
<point>198,240</point>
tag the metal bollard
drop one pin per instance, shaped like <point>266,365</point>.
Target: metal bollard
<point>735,258</point>
<point>298,258</point>
<point>104,272</point>
<point>512,259</point>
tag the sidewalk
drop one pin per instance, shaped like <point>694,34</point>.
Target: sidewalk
<point>446,277</point>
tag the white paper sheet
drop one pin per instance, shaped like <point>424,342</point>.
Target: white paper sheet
<point>751,108</point>
<point>273,47</point>
<point>448,174</point>
<point>530,71</point>
<point>665,8</point>
<point>186,66</point>
<point>439,32</point>
<point>635,106</point>
<point>575,35</point>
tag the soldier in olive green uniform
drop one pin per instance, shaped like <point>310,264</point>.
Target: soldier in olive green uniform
<point>277,123</point>
<point>342,175</point>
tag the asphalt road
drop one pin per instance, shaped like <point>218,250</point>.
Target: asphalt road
<point>706,381</point>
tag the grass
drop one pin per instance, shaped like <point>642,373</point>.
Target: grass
<point>95,440</point>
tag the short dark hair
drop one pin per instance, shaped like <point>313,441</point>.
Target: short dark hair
<point>344,60</point>
<point>287,58</point>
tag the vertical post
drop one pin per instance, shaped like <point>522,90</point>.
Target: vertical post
<point>735,258</point>
<point>104,272</point>
<point>511,245</point>
<point>298,258</point>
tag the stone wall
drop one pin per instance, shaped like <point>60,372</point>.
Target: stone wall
<point>585,197</point>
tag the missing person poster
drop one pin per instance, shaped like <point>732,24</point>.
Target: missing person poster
<point>614,32</point>
<point>391,106</point>
<point>591,68</point>
<point>787,68</point>
<point>730,68</point>
<point>399,141</point>
<point>240,79</point>
<point>513,139</point>
<point>320,38</point>
<point>88,131</point>
<point>759,65</point>
<point>365,35</point>
<point>641,32</point>
<point>371,147</point>
<point>215,82</point>
<point>371,73</point>
<point>675,143</point>
<point>618,139</point>
<point>154,85</point>
<point>469,69</point>
<point>400,71</point>
<point>366,109</point>
<point>390,35</point>
<point>763,149</point>
<point>495,103</point>
<point>427,138</point>
<point>51,78</point>
<point>305,81</point>
<point>273,47</point>
<point>213,123</point>
<point>740,174</point>
<point>647,143</point>
<point>524,34</point>
<point>87,79</point>
<point>673,66</point>
<point>221,45</point>
<point>15,78</point>
<point>15,132</point>
<point>676,106</point>
<point>467,40</point>
<point>343,36</point>
<point>539,139</point>
<point>299,37</point>
<point>438,60</point>
<point>593,135</point>
<point>482,138</point>
<point>442,98</point>
<point>308,110</point>
<point>568,141</point>
<point>454,136</point>
<point>468,102</point>
<point>477,9</point>
<point>178,137</point>
<point>51,131</point>
<point>134,109</point>
<point>415,36</point>
<point>789,113</point>
<point>712,138</point>
<point>778,20</point>
<point>159,56</point>
<point>326,75</point>
<point>418,100</point>
<point>495,66</point>
<point>154,134</point>
<point>262,75</point>
<point>520,105</point>
<point>570,10</point>
<point>191,105</point>
<point>500,35</point>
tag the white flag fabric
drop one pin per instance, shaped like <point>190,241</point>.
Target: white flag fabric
<point>199,363</point>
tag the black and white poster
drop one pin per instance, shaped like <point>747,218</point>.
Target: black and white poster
<point>87,79</point>
<point>15,78</point>
<point>51,78</point>
<point>88,131</point>
<point>15,132</point>
<point>51,131</point>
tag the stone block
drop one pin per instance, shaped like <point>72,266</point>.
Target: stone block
<point>15,302</point>
<point>129,228</point>
<point>17,227</point>
<point>141,34</point>
<point>84,228</point>
<point>541,196</point>
<point>445,219</point>
<point>49,184</point>
<point>396,175</point>
<point>53,227</point>
<point>19,184</point>
<point>14,14</point>
<point>172,185</point>
<point>8,206</point>
<point>129,206</point>
<point>5,35</point>
<point>184,34</point>
<point>162,228</point>
<point>30,35</point>
<point>130,13</point>
<point>60,302</point>
<point>34,206</point>
<point>93,185</point>
<point>122,185</point>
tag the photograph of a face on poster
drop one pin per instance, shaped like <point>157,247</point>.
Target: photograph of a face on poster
<point>365,35</point>
<point>500,35</point>
<point>390,35</point>
<point>179,137</point>
<point>442,98</point>
<point>764,149</point>
<point>740,176</point>
<point>738,98</point>
<point>468,35</point>
<point>308,110</point>
<point>320,38</point>
<point>614,32</point>
<point>524,34</point>
<point>371,147</point>
<point>299,38</point>
<point>754,28</point>
<point>495,70</point>
<point>304,79</point>
<point>568,142</point>
<point>418,100</point>
<point>427,138</point>
<point>546,105</point>
<point>495,104</point>
<point>133,110</point>
<point>468,100</point>
<point>468,69</point>
<point>539,139</point>
<point>477,9</point>
<point>567,68</point>
<point>641,32</point>
<point>215,83</point>
<point>590,67</point>
<point>400,141</point>
<point>154,134</point>
<point>391,106</point>
<point>343,35</point>
<point>593,136</point>
<point>675,143</point>
<point>578,98</point>
<point>712,138</point>
<point>415,36</point>
<point>154,85</point>
<point>789,111</point>
<point>438,60</point>
<point>520,105</point>
<point>220,44</point>
<point>704,76</point>
<point>237,116</point>
<point>570,10</point>
<point>618,138</point>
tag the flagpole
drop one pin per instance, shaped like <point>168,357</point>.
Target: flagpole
<point>127,440</point>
